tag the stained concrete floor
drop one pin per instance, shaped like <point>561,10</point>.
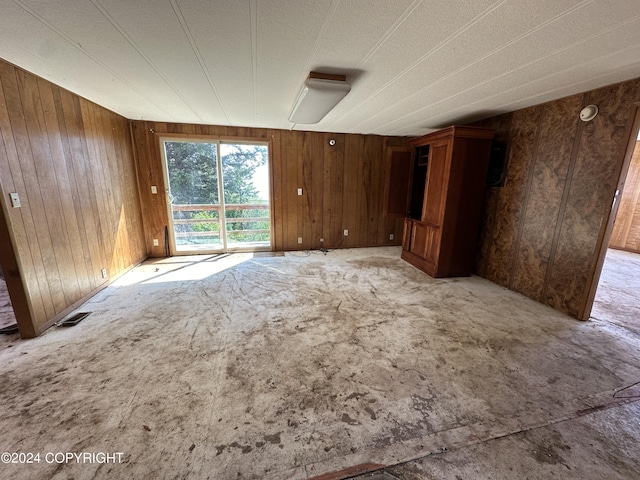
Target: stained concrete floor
<point>7,316</point>
<point>317,366</point>
<point>617,299</point>
<point>596,444</point>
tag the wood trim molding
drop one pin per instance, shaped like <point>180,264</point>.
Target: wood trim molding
<point>458,131</point>
<point>327,76</point>
<point>215,138</point>
<point>13,275</point>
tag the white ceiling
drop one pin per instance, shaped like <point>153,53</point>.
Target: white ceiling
<point>414,65</point>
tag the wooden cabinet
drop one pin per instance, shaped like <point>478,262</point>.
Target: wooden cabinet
<point>449,171</point>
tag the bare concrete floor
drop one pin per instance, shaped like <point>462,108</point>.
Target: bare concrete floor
<point>618,296</point>
<point>7,316</point>
<point>597,444</point>
<point>321,366</point>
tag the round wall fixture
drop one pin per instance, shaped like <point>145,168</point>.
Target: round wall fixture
<point>332,142</point>
<point>588,113</point>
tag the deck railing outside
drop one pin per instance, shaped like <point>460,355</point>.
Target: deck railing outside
<point>200,224</point>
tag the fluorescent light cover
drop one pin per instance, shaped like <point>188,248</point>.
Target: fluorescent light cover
<point>317,98</point>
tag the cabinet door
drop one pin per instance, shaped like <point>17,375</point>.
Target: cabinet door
<point>436,188</point>
<point>406,234</point>
<point>425,241</point>
<point>397,186</point>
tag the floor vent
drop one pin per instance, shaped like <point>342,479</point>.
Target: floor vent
<point>74,320</point>
<point>8,330</point>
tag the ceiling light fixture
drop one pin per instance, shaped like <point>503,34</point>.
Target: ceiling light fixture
<point>320,93</point>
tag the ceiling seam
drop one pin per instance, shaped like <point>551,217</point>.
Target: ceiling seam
<point>450,38</point>
<point>196,51</point>
<point>253,16</point>
<point>506,106</point>
<point>79,47</point>
<point>321,33</point>
<point>101,8</point>
<point>28,52</point>
<point>590,37</point>
<point>570,86</point>
<point>487,55</point>
<point>390,31</point>
<point>323,29</point>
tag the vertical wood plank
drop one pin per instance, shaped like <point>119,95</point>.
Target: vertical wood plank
<point>316,159</point>
<point>19,223</point>
<point>337,192</point>
<point>626,232</point>
<point>332,189</point>
<point>85,203</point>
<point>376,193</point>
<point>364,180</point>
<point>39,241</point>
<point>352,189</point>
<point>305,176</point>
<point>291,192</point>
<point>76,281</point>
<point>275,161</point>
<point>95,171</point>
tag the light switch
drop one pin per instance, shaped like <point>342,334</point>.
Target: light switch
<point>299,191</point>
<point>154,189</point>
<point>15,200</point>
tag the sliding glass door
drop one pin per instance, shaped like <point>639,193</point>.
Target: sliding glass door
<point>217,195</point>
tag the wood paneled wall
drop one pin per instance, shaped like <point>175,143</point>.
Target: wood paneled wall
<point>71,163</point>
<point>544,229</point>
<point>626,232</point>
<point>343,185</point>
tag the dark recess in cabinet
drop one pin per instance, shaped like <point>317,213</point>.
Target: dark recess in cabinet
<point>420,164</point>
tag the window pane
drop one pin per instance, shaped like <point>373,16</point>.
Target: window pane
<point>195,199</point>
<point>245,173</point>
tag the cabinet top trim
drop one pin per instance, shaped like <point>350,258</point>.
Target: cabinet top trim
<point>454,131</point>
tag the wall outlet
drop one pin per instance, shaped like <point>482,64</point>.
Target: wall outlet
<point>346,232</point>
<point>391,236</point>
<point>154,189</point>
<point>104,273</point>
<point>321,240</point>
<point>15,200</point>
<point>299,239</point>
<point>299,191</point>
<point>156,243</point>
